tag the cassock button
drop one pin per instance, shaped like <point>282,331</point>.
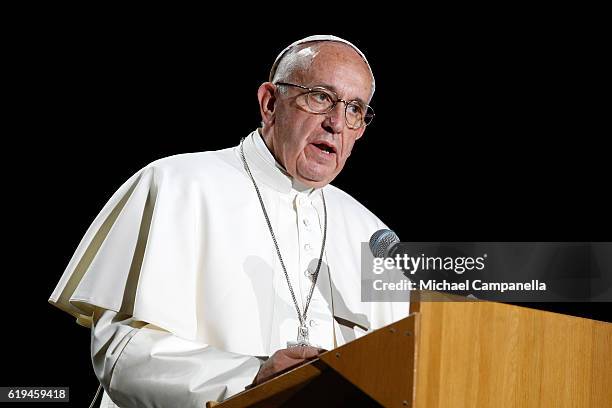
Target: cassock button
<point>313,323</point>
<point>307,247</point>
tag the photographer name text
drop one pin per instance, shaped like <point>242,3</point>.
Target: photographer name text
<point>467,285</point>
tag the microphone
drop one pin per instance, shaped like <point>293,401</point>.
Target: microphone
<point>384,243</point>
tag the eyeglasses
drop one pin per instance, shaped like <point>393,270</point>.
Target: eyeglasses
<point>321,100</point>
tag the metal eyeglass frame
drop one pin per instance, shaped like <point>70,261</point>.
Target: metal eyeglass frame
<point>335,102</point>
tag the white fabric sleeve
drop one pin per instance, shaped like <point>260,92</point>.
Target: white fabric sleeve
<point>150,367</point>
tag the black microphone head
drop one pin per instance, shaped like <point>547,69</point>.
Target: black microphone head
<point>382,241</point>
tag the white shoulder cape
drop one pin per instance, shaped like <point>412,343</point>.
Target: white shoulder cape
<point>183,245</point>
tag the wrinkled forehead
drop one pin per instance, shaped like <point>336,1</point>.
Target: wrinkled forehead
<point>335,67</point>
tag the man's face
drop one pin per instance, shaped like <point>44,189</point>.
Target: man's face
<point>313,148</point>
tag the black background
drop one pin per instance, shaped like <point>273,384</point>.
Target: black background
<point>487,129</point>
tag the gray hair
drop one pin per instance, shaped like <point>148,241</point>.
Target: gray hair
<point>298,57</point>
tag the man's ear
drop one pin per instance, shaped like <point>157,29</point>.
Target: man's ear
<point>360,132</point>
<point>267,101</point>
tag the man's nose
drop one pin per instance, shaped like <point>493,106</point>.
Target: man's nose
<point>334,119</point>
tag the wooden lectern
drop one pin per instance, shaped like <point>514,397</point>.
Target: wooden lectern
<point>457,353</point>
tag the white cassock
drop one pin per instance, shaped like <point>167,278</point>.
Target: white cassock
<point>182,286</point>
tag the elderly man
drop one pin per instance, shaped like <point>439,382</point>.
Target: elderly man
<point>203,265</point>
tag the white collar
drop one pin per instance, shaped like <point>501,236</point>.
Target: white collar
<point>266,169</point>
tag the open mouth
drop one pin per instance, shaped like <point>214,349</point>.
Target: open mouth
<point>325,147</point>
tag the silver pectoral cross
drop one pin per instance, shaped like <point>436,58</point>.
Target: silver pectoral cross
<point>302,338</point>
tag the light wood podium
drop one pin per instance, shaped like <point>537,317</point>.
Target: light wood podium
<point>455,354</point>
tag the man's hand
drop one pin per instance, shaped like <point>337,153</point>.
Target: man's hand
<point>285,359</point>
